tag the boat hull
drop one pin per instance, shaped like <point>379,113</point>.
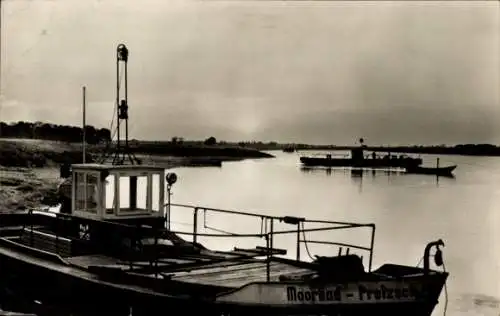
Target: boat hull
<point>63,287</point>
<point>440,171</point>
<point>365,163</point>
<point>71,288</point>
<point>410,296</point>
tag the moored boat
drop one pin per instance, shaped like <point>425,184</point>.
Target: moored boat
<point>359,160</point>
<point>438,171</point>
<point>115,248</point>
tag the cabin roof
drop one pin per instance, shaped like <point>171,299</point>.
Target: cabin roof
<point>101,167</point>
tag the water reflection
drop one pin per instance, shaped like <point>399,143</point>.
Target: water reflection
<point>358,174</point>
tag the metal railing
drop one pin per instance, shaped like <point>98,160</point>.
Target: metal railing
<point>268,232</point>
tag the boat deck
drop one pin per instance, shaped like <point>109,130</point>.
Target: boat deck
<point>231,272</point>
<point>239,273</point>
<point>146,255</point>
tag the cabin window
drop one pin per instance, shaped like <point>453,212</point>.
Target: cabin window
<point>155,192</point>
<point>92,193</point>
<point>110,194</point>
<point>124,193</point>
<point>80,194</point>
<point>142,193</point>
<point>133,193</point>
<point>86,192</point>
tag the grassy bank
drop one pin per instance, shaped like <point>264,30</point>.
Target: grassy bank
<point>26,188</point>
<point>196,149</point>
<point>42,153</point>
<point>37,153</point>
<point>25,185</point>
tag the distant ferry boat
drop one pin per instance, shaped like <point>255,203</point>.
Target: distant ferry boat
<point>359,160</point>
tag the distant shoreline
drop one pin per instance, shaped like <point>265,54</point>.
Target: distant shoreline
<point>477,150</point>
<point>209,148</point>
<point>22,152</point>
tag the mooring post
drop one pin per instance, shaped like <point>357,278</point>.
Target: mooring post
<point>371,248</point>
<point>31,227</point>
<point>268,260</point>
<point>57,233</point>
<point>195,225</point>
<point>271,231</point>
<point>298,241</point>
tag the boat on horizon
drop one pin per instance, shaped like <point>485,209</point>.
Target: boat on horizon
<point>359,160</point>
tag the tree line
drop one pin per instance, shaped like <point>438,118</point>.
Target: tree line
<point>47,131</point>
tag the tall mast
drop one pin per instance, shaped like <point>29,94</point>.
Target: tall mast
<point>84,140</point>
<point>122,154</point>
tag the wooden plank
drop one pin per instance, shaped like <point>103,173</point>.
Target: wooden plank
<point>92,260</point>
<point>216,268</point>
<point>226,272</point>
<point>241,274</point>
<point>142,264</point>
<point>261,250</point>
<point>44,235</point>
<point>241,253</point>
<point>237,281</point>
<point>230,274</point>
<point>61,247</point>
<point>37,238</point>
<point>227,255</point>
<point>230,267</point>
<point>275,251</point>
<point>10,230</point>
<point>51,245</point>
<point>214,254</point>
<point>196,266</point>
<point>175,261</point>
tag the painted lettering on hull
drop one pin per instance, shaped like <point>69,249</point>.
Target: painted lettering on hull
<point>383,292</point>
<point>359,292</point>
<point>295,294</point>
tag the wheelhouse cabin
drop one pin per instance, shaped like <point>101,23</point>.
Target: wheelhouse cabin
<point>113,209</point>
<point>118,193</point>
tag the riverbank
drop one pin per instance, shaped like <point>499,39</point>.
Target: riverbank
<point>27,188</point>
<point>29,168</point>
<point>45,153</point>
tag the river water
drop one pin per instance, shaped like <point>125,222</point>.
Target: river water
<point>408,210</point>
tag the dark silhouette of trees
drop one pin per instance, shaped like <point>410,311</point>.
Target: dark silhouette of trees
<point>210,141</point>
<point>177,140</point>
<point>40,130</point>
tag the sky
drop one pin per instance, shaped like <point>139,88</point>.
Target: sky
<point>402,72</point>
